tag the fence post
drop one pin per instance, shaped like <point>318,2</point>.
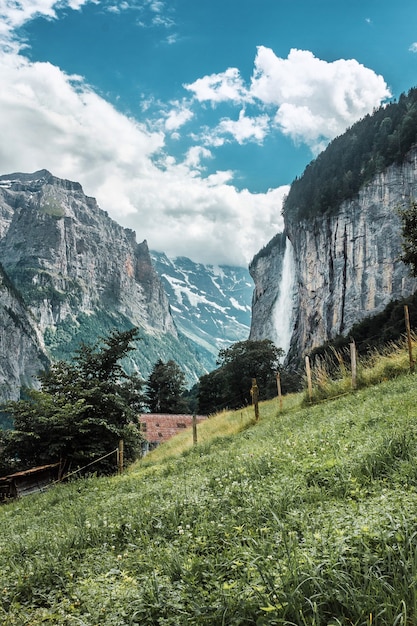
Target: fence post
<point>309,383</point>
<point>353,364</point>
<point>279,390</point>
<point>255,397</point>
<point>194,430</point>
<point>408,329</point>
<point>120,456</point>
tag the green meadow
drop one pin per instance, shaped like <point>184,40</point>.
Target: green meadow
<point>306,517</point>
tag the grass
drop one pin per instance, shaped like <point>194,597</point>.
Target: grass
<point>306,517</point>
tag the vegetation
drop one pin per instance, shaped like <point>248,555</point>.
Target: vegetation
<point>63,341</point>
<point>354,158</point>
<point>81,412</point>
<point>229,385</point>
<point>166,388</point>
<point>278,242</point>
<point>374,333</point>
<point>408,217</point>
<point>306,517</point>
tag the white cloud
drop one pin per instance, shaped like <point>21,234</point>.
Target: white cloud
<point>309,99</point>
<point>413,47</point>
<point>51,120</point>
<point>223,87</point>
<point>194,156</point>
<point>15,13</point>
<point>245,128</point>
<point>177,117</point>
<point>315,100</point>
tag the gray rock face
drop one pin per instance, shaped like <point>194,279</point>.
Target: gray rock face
<point>66,256</point>
<point>347,265</point>
<point>266,271</point>
<point>74,274</point>
<point>21,347</point>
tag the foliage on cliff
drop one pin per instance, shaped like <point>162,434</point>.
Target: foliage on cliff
<point>354,158</point>
<point>278,241</point>
<point>408,217</point>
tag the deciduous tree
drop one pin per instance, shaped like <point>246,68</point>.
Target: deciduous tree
<point>82,410</point>
<point>229,385</point>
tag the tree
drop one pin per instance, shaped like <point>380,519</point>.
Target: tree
<point>408,218</point>
<point>82,410</point>
<point>165,388</point>
<point>229,385</point>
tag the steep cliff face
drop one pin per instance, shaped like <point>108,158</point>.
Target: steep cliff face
<point>346,264</point>
<point>22,354</point>
<point>79,274</point>
<point>66,256</point>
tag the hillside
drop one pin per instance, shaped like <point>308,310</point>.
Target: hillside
<point>306,517</point>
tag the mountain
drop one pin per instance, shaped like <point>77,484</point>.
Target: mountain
<point>21,347</point>
<point>211,305</point>
<point>338,260</point>
<point>72,274</point>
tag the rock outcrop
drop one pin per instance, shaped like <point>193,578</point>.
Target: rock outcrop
<point>346,264</point>
<point>21,351</point>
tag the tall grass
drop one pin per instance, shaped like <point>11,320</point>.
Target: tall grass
<point>332,376</point>
<point>305,517</point>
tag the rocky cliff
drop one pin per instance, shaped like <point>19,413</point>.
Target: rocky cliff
<point>21,351</point>
<point>79,274</point>
<point>346,263</point>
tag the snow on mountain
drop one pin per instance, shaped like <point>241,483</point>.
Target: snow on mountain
<point>211,305</point>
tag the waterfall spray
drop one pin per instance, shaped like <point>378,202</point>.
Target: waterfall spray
<point>283,314</point>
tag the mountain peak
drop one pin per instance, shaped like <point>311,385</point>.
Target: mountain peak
<point>20,181</point>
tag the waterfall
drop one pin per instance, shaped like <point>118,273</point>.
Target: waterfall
<point>283,313</point>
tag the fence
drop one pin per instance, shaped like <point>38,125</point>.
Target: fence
<point>316,377</point>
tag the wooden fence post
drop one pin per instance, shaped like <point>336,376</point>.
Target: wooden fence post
<point>255,397</point>
<point>194,430</point>
<point>353,365</point>
<point>408,329</point>
<point>309,383</point>
<point>279,390</point>
<point>120,456</point>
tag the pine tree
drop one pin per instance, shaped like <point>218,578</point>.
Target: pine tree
<point>165,388</point>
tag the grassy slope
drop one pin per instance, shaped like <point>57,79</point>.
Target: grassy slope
<point>307,517</point>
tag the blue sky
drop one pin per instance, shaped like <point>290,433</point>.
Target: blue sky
<point>187,120</point>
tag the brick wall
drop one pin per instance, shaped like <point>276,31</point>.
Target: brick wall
<point>159,427</point>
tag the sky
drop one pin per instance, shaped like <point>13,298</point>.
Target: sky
<point>188,120</point>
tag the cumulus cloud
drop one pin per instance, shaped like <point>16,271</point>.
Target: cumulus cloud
<point>52,120</point>
<point>315,100</point>
<point>15,13</point>
<point>223,87</point>
<point>308,99</point>
<point>245,128</point>
<point>179,115</point>
<point>49,119</point>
